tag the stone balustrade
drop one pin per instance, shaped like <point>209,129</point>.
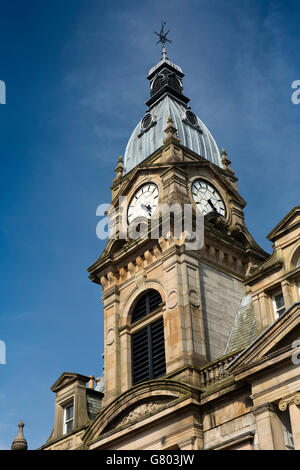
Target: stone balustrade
<point>216,370</point>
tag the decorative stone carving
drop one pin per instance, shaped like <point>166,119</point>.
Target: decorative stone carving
<point>110,337</point>
<point>131,268</point>
<point>19,443</point>
<point>194,298</point>
<point>141,281</point>
<point>119,169</point>
<point>226,162</point>
<point>143,410</point>
<point>148,257</point>
<point>171,132</point>
<point>123,274</point>
<point>284,402</point>
<point>172,299</point>
<point>103,282</point>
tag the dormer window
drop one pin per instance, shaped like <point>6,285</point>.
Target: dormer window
<point>68,418</point>
<point>278,304</point>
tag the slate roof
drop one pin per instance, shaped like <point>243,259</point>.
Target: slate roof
<point>244,328</point>
<point>94,402</point>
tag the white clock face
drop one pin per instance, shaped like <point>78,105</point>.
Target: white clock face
<point>207,198</point>
<point>143,203</point>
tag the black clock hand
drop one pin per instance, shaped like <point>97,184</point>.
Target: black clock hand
<point>211,205</point>
<point>147,208</point>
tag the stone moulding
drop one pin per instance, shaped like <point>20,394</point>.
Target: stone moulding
<point>233,441</point>
<point>148,398</point>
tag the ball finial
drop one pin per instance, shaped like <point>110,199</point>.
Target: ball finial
<point>19,443</point>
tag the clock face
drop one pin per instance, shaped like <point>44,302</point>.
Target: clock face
<point>207,198</point>
<point>143,203</point>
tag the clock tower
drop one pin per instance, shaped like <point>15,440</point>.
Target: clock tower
<point>169,310</point>
<point>201,326</point>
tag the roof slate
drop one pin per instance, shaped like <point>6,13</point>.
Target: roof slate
<point>244,328</point>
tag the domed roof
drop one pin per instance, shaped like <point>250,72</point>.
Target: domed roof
<point>148,135</point>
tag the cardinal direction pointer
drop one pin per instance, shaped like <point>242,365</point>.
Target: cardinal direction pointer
<point>163,39</point>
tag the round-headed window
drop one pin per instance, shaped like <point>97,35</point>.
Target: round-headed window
<point>157,84</point>
<point>174,82</point>
<point>147,303</point>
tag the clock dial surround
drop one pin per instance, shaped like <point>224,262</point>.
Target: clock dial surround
<point>143,203</point>
<point>207,198</point>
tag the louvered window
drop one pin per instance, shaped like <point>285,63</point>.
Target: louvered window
<point>148,353</point>
<point>149,302</point>
<point>158,83</point>
<point>173,82</point>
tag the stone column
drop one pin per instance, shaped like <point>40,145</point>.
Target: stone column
<point>269,428</point>
<point>293,403</point>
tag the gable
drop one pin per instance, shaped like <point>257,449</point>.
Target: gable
<point>287,340</point>
<point>290,222</point>
<point>274,343</point>
<point>66,378</point>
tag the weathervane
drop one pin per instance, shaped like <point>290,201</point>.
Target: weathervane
<point>163,39</point>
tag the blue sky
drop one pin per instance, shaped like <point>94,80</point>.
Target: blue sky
<point>75,73</point>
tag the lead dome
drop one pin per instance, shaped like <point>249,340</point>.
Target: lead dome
<point>167,99</point>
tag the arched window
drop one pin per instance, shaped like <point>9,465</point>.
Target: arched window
<point>174,82</point>
<point>146,304</point>
<point>157,84</point>
<point>148,343</point>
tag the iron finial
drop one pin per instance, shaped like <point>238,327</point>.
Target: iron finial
<point>163,39</point>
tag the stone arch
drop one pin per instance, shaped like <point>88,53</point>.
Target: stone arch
<point>151,293</point>
<point>295,259</point>
<point>133,297</point>
<point>138,403</point>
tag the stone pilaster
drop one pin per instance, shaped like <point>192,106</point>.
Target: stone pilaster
<point>269,428</point>
<point>293,404</point>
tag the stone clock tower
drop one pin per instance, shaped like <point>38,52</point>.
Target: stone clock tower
<point>198,336</point>
<point>168,310</point>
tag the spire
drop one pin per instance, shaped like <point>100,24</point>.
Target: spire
<point>165,77</point>
<point>19,443</point>
<point>163,39</point>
